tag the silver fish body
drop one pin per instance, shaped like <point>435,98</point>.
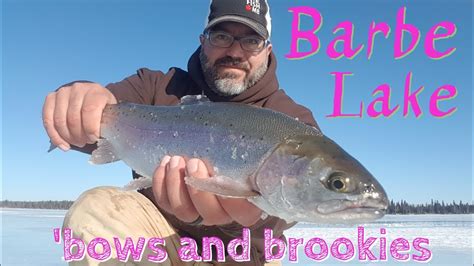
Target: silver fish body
<point>285,167</point>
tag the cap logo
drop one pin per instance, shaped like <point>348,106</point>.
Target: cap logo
<point>254,6</point>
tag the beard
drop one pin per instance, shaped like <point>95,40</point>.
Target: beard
<point>227,84</point>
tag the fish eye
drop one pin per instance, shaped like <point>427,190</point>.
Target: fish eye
<point>338,183</point>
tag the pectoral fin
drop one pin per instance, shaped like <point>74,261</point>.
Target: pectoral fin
<point>139,183</point>
<point>105,153</point>
<point>222,186</point>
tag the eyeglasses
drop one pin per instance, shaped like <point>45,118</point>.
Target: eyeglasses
<point>225,40</point>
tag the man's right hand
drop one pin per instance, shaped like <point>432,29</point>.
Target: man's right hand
<point>72,114</point>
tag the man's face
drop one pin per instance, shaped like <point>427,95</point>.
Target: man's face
<point>230,71</point>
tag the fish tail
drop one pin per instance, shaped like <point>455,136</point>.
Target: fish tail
<point>51,146</point>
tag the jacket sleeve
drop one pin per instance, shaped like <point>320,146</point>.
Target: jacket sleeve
<point>139,88</point>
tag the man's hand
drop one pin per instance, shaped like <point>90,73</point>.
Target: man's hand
<point>72,114</point>
<point>187,203</point>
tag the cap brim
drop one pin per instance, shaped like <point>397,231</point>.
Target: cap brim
<point>258,28</point>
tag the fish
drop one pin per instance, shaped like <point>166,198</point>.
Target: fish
<point>283,166</point>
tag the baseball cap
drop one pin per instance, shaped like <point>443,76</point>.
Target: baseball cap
<point>253,13</point>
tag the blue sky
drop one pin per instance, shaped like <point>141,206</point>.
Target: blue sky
<point>49,43</point>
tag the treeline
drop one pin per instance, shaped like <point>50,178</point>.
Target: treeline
<point>44,204</point>
<point>434,207</point>
<point>401,207</point>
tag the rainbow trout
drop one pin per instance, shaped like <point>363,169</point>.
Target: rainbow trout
<point>285,167</point>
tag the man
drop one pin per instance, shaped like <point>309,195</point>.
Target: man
<point>234,63</point>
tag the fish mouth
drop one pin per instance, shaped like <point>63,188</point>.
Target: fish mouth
<point>362,214</point>
<point>345,212</point>
<point>363,207</point>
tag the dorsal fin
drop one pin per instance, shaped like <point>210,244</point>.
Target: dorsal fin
<point>193,99</point>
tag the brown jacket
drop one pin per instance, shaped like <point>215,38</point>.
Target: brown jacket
<point>157,88</point>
